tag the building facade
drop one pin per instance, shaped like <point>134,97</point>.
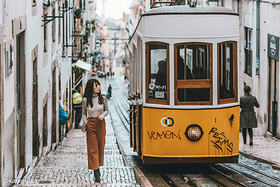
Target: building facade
<point>259,58</point>
<point>35,73</point>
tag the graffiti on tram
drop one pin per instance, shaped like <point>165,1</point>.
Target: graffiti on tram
<point>154,135</point>
<point>219,141</point>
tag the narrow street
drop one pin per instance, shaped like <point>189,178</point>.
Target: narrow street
<point>67,165</point>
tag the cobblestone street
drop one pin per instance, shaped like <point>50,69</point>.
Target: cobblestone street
<point>67,165</point>
<point>266,149</point>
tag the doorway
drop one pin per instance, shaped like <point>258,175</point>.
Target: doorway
<point>36,140</point>
<point>45,124</point>
<point>273,96</point>
<point>20,102</point>
<point>54,106</point>
<point>59,97</point>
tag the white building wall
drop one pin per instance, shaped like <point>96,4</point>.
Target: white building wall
<point>33,36</point>
<point>1,90</point>
<point>1,12</point>
<point>10,10</point>
<point>269,24</point>
<point>249,20</point>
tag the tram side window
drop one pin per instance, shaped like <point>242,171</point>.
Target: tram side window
<point>157,71</point>
<point>227,70</point>
<point>193,73</point>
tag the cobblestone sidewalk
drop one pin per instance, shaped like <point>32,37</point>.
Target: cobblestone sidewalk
<point>67,165</point>
<point>264,148</point>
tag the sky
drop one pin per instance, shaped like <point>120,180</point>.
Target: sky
<point>113,8</point>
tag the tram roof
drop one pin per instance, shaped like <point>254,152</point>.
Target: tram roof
<point>185,9</point>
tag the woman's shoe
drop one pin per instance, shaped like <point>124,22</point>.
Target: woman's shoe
<point>251,141</point>
<point>97,175</point>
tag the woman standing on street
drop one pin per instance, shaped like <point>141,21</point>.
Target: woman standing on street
<point>94,109</point>
<point>248,118</point>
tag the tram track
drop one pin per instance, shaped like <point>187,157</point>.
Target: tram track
<point>215,174</point>
<point>254,175</point>
<point>174,179</point>
<point>255,170</point>
<point>121,111</point>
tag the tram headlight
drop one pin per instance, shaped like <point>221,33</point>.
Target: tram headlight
<point>194,132</point>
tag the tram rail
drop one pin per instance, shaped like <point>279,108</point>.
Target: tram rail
<point>120,108</point>
<point>262,173</point>
<point>254,174</point>
<point>215,173</point>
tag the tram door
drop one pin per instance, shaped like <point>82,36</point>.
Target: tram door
<point>273,96</point>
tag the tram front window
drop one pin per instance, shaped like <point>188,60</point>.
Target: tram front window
<point>157,71</point>
<point>193,62</point>
<point>193,73</point>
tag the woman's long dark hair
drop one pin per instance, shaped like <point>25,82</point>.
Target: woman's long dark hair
<point>89,92</point>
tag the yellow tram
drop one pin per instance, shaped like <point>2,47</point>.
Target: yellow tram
<point>183,77</point>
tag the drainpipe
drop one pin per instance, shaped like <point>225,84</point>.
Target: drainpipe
<point>257,36</point>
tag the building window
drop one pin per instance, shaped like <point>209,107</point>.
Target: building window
<point>157,72</point>
<point>45,37</point>
<point>193,77</point>
<point>248,51</point>
<point>53,26</point>
<point>59,25</point>
<point>227,72</point>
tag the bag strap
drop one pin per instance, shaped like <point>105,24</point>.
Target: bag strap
<point>248,101</point>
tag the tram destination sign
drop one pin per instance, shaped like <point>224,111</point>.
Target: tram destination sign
<point>273,47</point>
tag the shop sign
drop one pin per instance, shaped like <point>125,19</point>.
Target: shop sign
<point>273,47</point>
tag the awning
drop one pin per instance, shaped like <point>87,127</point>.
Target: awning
<point>82,64</point>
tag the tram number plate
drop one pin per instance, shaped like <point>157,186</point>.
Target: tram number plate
<point>159,94</point>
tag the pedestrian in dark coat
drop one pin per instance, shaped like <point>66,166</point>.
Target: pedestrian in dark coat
<point>95,109</point>
<point>248,118</point>
<point>109,91</point>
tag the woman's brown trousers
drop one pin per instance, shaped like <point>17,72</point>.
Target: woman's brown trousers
<point>96,132</point>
